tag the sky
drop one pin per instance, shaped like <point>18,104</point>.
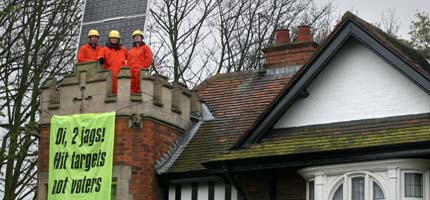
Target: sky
<point>372,10</point>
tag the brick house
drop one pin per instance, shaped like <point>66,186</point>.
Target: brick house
<point>345,120</point>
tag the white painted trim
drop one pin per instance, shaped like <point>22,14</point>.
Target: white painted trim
<point>202,191</point>
<point>355,85</point>
<point>219,193</point>
<point>421,164</point>
<point>171,192</point>
<point>186,191</point>
<point>388,174</point>
<point>319,186</point>
<point>336,184</point>
<point>346,181</point>
<point>392,181</point>
<point>233,193</point>
<point>425,176</point>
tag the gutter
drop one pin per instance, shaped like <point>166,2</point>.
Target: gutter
<point>409,150</point>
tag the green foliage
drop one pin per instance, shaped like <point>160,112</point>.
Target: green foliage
<point>420,33</point>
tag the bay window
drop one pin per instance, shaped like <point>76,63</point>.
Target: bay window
<point>358,187</point>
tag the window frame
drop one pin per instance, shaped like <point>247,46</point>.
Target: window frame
<point>403,184</point>
<point>371,189</point>
<point>349,186</point>
<point>308,189</point>
<point>346,181</point>
<point>387,173</point>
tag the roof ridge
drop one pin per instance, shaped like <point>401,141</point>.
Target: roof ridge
<point>350,25</point>
<point>394,44</point>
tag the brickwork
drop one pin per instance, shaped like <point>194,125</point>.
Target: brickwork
<point>285,53</point>
<point>290,186</point>
<point>284,184</point>
<point>140,148</point>
<point>147,124</point>
<point>44,150</point>
<point>256,186</point>
<point>289,54</point>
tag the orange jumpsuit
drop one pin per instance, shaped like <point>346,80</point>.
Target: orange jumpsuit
<point>114,60</point>
<point>139,57</point>
<point>87,53</point>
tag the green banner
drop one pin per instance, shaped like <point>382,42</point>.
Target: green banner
<point>81,156</point>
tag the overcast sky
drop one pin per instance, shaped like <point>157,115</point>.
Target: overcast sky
<point>372,10</point>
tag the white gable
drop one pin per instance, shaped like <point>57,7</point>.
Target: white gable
<point>356,84</point>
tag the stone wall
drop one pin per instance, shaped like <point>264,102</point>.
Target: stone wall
<point>147,124</point>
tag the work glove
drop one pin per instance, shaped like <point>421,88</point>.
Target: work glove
<point>101,61</point>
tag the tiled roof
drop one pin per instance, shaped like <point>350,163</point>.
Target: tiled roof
<point>235,100</point>
<point>239,101</point>
<point>338,136</point>
<point>407,60</point>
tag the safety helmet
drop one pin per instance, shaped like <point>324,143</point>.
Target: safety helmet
<point>93,32</point>
<point>114,34</point>
<point>137,32</point>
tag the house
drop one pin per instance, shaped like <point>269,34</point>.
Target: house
<point>352,123</point>
<point>348,119</point>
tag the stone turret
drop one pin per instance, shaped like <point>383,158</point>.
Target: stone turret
<point>89,90</point>
<point>147,124</point>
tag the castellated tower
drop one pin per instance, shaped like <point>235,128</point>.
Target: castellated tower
<point>147,125</point>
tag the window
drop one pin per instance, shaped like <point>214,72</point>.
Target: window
<point>312,190</point>
<point>401,179</point>
<point>414,185</point>
<point>338,195</point>
<point>357,188</point>
<point>377,192</point>
<point>354,187</point>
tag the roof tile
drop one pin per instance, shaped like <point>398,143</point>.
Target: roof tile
<point>338,136</point>
<point>235,100</point>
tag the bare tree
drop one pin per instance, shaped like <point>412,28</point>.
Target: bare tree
<point>389,22</point>
<point>36,39</point>
<point>179,25</point>
<point>199,38</point>
<point>247,26</point>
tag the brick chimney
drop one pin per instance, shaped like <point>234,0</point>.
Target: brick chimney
<point>287,54</point>
<point>282,36</point>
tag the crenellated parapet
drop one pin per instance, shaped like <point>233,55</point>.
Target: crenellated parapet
<point>89,90</point>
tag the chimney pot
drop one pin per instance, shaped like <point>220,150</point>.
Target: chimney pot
<point>304,34</point>
<point>287,54</point>
<point>282,36</point>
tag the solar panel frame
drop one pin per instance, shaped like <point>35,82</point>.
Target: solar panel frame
<point>105,15</point>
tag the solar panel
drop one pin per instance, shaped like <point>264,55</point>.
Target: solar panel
<point>105,15</point>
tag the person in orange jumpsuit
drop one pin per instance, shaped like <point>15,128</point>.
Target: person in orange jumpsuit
<point>140,56</point>
<point>114,56</point>
<point>91,50</point>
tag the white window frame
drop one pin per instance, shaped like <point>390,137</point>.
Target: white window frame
<point>403,184</point>
<point>371,189</point>
<point>346,180</point>
<point>307,189</point>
